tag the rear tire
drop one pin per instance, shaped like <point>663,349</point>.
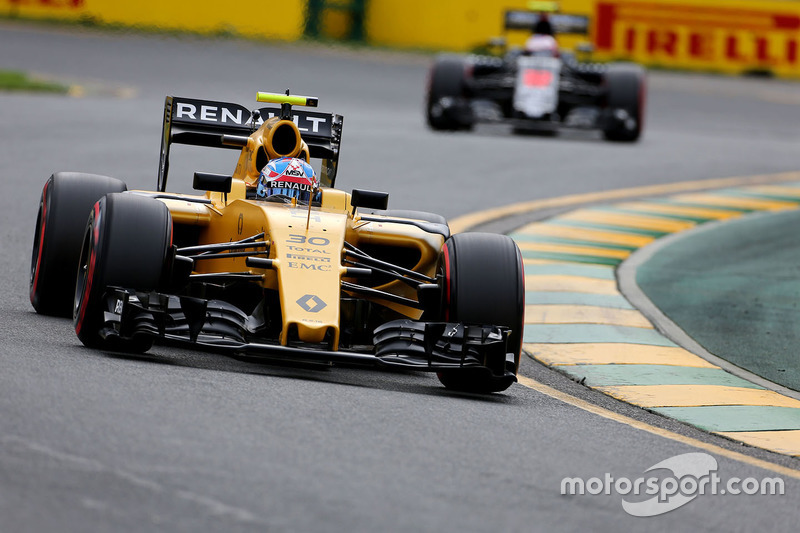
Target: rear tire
<point>67,199</point>
<point>446,80</point>
<point>126,243</point>
<point>626,95</point>
<point>484,283</point>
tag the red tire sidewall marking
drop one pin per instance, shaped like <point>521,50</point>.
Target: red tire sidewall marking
<point>521,269</point>
<point>41,239</point>
<point>446,253</point>
<point>92,261</point>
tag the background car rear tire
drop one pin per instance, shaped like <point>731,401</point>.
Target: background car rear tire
<point>446,80</point>
<point>67,198</point>
<point>626,91</point>
<point>126,243</point>
<point>484,284</point>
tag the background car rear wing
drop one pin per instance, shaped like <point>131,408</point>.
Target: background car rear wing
<point>562,23</point>
<point>218,124</point>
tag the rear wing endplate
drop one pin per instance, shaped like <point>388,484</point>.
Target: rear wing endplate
<point>525,20</point>
<point>205,123</point>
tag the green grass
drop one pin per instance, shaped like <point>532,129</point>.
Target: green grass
<point>12,80</point>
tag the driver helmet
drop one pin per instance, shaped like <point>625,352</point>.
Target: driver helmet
<point>541,45</point>
<point>286,178</point>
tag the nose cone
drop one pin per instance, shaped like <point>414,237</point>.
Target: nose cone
<point>309,272</point>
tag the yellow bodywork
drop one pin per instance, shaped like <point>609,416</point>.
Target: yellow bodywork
<point>263,140</point>
<point>306,246</point>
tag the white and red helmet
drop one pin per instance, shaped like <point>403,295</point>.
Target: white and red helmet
<point>541,45</point>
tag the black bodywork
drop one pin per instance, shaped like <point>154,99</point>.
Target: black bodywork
<point>469,89</point>
<point>220,325</point>
<point>582,88</point>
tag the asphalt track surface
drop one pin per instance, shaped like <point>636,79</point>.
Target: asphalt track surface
<point>184,441</point>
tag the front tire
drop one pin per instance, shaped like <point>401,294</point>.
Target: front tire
<point>625,103</point>
<point>126,244</point>
<point>484,283</point>
<point>446,84</point>
<point>67,198</point>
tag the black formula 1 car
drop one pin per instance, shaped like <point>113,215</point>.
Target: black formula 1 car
<point>537,88</point>
<point>329,277</point>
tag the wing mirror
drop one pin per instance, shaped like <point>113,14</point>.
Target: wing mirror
<point>205,181</point>
<point>369,199</point>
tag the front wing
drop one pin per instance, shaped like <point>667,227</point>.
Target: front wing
<point>466,112</point>
<point>222,327</point>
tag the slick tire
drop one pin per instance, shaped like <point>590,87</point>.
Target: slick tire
<point>126,244</point>
<point>484,283</point>
<point>67,199</point>
<point>626,93</point>
<point>446,80</point>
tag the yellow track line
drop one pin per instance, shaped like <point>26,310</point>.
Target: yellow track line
<point>650,396</point>
<point>565,283</point>
<point>465,222</point>
<point>778,190</point>
<point>618,353</point>
<point>530,261</point>
<point>723,200</point>
<point>679,210</point>
<point>629,220</point>
<point>572,249</point>
<point>585,234</point>
<point>665,433</point>
<point>786,442</point>
<point>584,314</point>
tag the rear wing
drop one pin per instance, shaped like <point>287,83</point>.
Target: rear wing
<point>562,23</point>
<point>222,125</point>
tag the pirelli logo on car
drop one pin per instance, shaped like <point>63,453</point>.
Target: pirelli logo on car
<point>308,258</point>
<point>223,114</point>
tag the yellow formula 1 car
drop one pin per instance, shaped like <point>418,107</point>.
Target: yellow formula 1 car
<point>273,261</point>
